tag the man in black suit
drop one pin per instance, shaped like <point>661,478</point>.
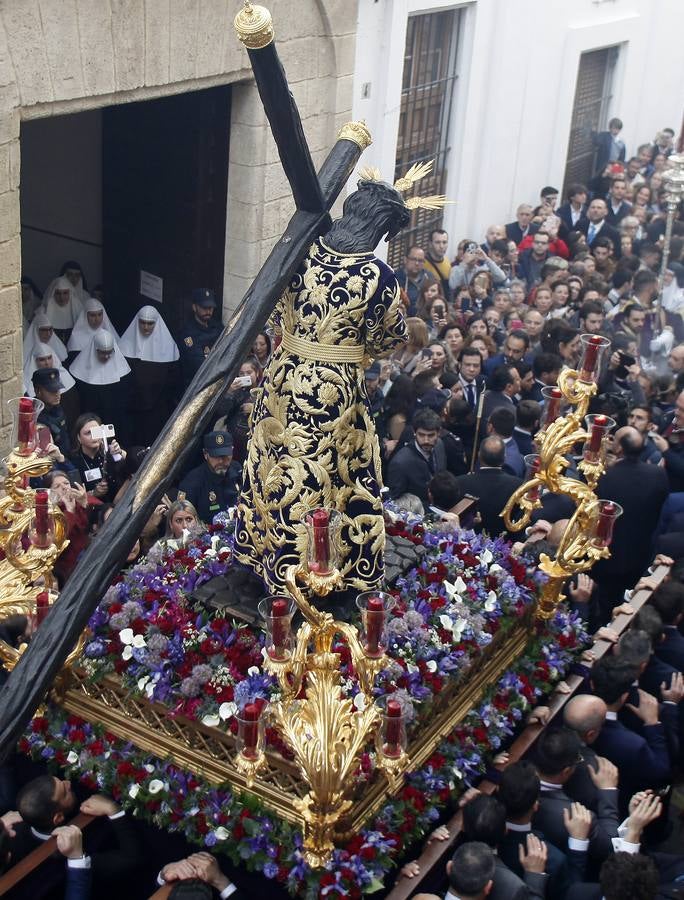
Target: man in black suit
<point>471,871</point>
<point>636,646</point>
<point>641,490</point>
<point>546,369</point>
<point>470,375</point>
<point>527,419</point>
<point>410,469</point>
<point>516,231</point>
<point>574,210</point>
<point>557,755</point>
<point>618,207</point>
<point>596,223</point>
<point>585,715</point>
<point>491,484</point>
<point>503,386</point>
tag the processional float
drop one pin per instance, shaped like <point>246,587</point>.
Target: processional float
<point>323,730</point>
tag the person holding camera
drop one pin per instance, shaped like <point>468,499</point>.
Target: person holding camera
<point>235,406</point>
<point>72,499</point>
<point>100,465</point>
<point>474,260</point>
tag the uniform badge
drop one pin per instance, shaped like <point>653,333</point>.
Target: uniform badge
<point>212,497</point>
<point>207,351</point>
<point>188,342</point>
<point>220,439</point>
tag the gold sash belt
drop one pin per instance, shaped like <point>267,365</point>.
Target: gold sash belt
<point>321,352</point>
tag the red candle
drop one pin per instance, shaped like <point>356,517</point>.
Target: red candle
<point>41,514</point>
<point>553,405</point>
<point>591,352</point>
<point>375,617</point>
<point>534,492</point>
<point>598,429</point>
<point>42,606</point>
<point>320,521</point>
<point>393,734</point>
<point>279,626</point>
<point>26,424</point>
<point>604,525</point>
<point>250,728</point>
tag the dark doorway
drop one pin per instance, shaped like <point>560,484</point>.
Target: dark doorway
<point>165,177</point>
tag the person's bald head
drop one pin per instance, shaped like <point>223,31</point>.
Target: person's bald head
<point>557,531</point>
<point>629,443</point>
<point>492,452</point>
<point>585,714</point>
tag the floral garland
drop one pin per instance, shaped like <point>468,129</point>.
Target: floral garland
<point>466,591</point>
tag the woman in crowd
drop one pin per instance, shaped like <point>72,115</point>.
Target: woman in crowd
<point>480,293</point>
<point>483,344</point>
<point>101,374</point>
<point>235,407</point>
<point>518,292</point>
<point>44,357</point>
<point>454,337</point>
<point>428,292</point>
<point>41,331</point>
<point>101,472</point>
<point>409,355</point>
<point>262,348</point>
<point>63,307</point>
<point>182,522</point>
<point>477,327</point>
<point>73,271</point>
<point>437,319</point>
<point>394,428</point>
<point>560,338</point>
<point>543,300</point>
<point>73,500</point>
<point>152,355</point>
<point>92,317</point>
<point>441,358</point>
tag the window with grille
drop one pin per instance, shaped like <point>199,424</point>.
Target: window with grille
<point>590,112</point>
<point>430,73</point>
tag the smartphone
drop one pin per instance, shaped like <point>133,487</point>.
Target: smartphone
<point>243,381</point>
<point>426,353</point>
<point>625,361</point>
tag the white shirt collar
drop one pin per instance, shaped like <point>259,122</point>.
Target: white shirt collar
<point>548,786</point>
<point>512,826</point>
<point>611,716</point>
<point>40,835</point>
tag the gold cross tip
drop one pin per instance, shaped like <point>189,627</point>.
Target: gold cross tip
<point>415,173</point>
<point>254,26</point>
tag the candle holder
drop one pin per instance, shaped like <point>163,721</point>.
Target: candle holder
<point>593,348</point>
<point>250,740</point>
<point>390,736</point>
<point>553,403</point>
<point>532,467</point>
<point>276,612</point>
<point>608,512</point>
<point>374,607</point>
<point>323,531</point>
<point>42,527</point>
<point>598,428</point>
<point>25,412</point>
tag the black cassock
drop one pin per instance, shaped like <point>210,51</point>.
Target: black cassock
<point>152,398</point>
<point>109,402</point>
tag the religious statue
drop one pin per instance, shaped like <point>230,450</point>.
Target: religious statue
<point>312,442</point>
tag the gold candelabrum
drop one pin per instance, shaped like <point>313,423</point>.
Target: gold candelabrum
<point>673,178</point>
<point>32,532</point>
<point>325,729</point>
<point>587,536</point>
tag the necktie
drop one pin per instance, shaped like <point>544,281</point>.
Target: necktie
<point>431,463</point>
<point>592,233</point>
<point>470,390</point>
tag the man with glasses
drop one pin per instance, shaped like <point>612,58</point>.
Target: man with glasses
<point>532,260</point>
<point>413,276</point>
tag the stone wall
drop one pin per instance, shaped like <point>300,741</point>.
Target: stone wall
<point>64,56</point>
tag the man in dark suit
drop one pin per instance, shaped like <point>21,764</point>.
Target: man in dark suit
<point>503,387</point>
<point>516,231</point>
<point>618,207</point>
<point>515,349</point>
<point>410,469</point>
<point>491,484</point>
<point>641,490</point>
<point>609,147</point>
<point>636,646</point>
<point>624,874</point>
<point>557,756</point>
<point>470,375</point>
<point>575,209</point>
<point>668,601</point>
<point>527,419</point>
<point>596,223</point>
<point>502,424</point>
<point>471,871</point>
<point>585,715</point>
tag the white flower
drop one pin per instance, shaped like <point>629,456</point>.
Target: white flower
<point>215,541</point>
<point>221,833</point>
<point>411,668</point>
<point>457,628</point>
<point>72,757</point>
<point>446,623</point>
<point>211,720</point>
<point>495,569</point>
<point>133,791</point>
<point>431,665</point>
<point>490,602</point>
<point>486,556</point>
<point>155,786</point>
<point>127,652</point>
<point>457,588</point>
<point>139,641</point>
<point>142,682</point>
<point>126,635</point>
<point>149,690</point>
<point>227,710</point>
<point>253,670</point>
<point>149,768</point>
<point>360,702</point>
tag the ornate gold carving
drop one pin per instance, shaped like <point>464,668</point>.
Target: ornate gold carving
<point>356,132</point>
<point>254,26</point>
<point>576,552</point>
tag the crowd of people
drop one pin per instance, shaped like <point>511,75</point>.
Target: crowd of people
<point>491,324</point>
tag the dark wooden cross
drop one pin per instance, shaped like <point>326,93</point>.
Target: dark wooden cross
<point>314,195</point>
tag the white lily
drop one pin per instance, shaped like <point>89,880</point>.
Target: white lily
<point>126,635</point>
<point>431,666</point>
<point>253,670</point>
<point>490,602</point>
<point>155,786</point>
<point>227,710</point>
<point>139,641</point>
<point>133,791</point>
<point>457,629</point>
<point>127,652</point>
<point>142,682</point>
<point>211,720</point>
<point>360,702</point>
<point>221,833</point>
<point>455,589</point>
<point>72,757</point>
<point>215,541</point>
<point>446,623</point>
<point>486,557</point>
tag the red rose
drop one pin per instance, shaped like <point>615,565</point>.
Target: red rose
<point>40,725</point>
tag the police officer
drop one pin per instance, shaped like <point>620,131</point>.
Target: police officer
<point>199,334</point>
<point>213,487</point>
<point>47,386</point>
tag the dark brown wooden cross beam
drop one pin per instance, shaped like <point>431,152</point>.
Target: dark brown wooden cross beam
<point>314,195</point>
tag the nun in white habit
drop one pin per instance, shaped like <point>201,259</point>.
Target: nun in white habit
<point>93,316</point>
<point>153,357</point>
<point>44,357</point>
<point>63,307</point>
<point>40,331</point>
<point>103,381</point>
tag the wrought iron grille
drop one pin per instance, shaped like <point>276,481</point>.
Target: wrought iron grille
<point>590,112</point>
<point>429,80</point>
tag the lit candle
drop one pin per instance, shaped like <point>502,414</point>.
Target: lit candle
<point>604,524</point>
<point>553,405</point>
<point>26,424</point>
<point>42,606</point>
<point>393,734</point>
<point>598,429</point>
<point>375,617</point>
<point>279,627</point>
<point>591,353</point>
<point>41,508</point>
<point>320,520</point>
<point>250,731</point>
